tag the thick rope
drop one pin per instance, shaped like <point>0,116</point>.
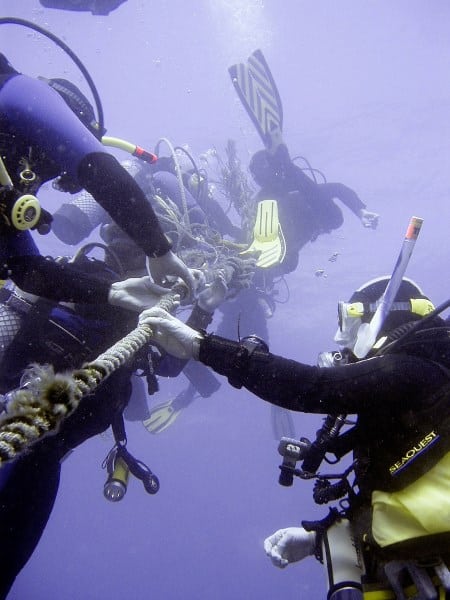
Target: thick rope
<point>39,410</point>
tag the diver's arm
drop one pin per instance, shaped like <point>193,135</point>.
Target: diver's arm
<point>49,124</point>
<point>374,384</point>
<point>64,282</point>
<point>351,200</point>
<point>21,262</point>
<point>117,192</point>
<point>346,195</point>
<point>354,388</point>
<point>45,277</point>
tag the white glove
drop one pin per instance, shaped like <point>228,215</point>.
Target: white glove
<point>171,334</point>
<point>213,294</point>
<point>289,545</point>
<point>160,267</point>
<point>136,293</point>
<point>369,219</point>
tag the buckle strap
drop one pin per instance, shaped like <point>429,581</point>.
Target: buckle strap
<point>15,301</point>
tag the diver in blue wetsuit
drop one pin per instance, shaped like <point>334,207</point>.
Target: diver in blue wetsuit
<point>43,139</point>
<point>75,220</point>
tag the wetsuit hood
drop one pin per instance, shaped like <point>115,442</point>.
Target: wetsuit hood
<point>362,305</point>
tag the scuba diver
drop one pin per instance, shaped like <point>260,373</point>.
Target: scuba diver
<point>200,233</point>
<point>48,131</point>
<point>37,330</point>
<point>294,207</point>
<point>398,500</point>
<point>96,7</point>
<point>306,208</point>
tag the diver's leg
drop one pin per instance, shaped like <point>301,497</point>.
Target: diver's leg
<point>26,502</point>
<point>97,411</point>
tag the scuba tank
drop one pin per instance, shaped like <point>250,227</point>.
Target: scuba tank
<point>342,564</point>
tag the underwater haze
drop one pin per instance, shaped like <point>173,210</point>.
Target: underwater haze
<point>366,95</point>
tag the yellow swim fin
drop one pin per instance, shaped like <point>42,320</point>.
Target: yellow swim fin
<point>268,238</point>
<point>163,415</point>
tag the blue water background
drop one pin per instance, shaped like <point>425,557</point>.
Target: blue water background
<point>366,94</point>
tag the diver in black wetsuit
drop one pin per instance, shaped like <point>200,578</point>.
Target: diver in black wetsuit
<point>306,208</point>
<point>400,394</point>
<point>38,330</point>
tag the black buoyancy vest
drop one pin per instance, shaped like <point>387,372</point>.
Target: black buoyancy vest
<point>422,438</point>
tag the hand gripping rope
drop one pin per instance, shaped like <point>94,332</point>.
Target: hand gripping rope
<point>38,409</point>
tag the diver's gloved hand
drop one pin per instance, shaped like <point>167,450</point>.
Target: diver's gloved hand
<point>199,279</point>
<point>213,293</point>
<point>136,293</point>
<point>289,545</point>
<point>369,219</point>
<point>171,334</point>
<point>169,264</point>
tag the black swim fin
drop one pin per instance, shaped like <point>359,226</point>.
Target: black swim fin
<point>259,95</point>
